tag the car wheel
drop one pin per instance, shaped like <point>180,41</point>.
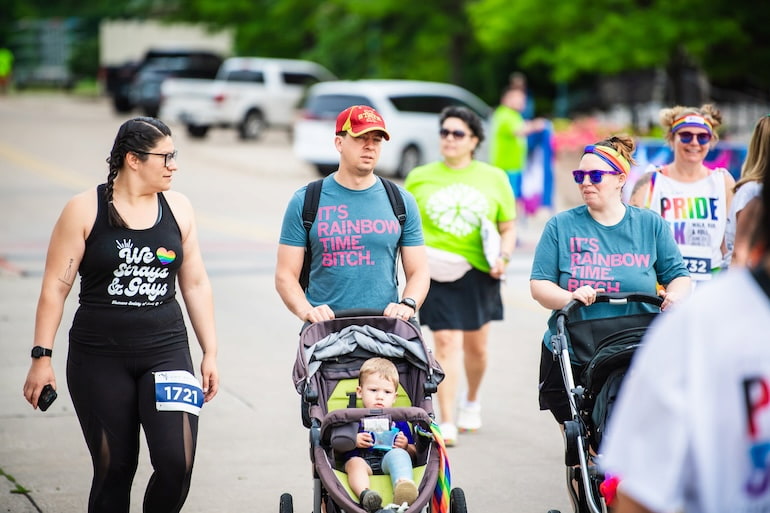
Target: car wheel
<point>252,126</point>
<point>410,159</point>
<point>197,131</point>
<point>122,104</point>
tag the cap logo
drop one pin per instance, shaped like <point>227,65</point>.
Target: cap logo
<point>369,116</point>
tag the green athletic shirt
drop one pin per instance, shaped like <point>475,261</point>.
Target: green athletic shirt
<point>452,201</point>
<point>508,151</point>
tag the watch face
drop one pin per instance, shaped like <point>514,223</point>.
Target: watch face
<point>410,303</point>
<point>38,352</point>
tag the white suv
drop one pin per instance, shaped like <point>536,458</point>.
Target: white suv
<point>411,111</point>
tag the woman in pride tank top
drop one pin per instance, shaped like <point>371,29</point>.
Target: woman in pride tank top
<point>129,363</point>
<point>694,199</point>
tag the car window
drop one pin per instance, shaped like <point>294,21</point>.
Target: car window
<point>429,103</point>
<point>245,75</point>
<point>329,105</point>
<point>298,78</point>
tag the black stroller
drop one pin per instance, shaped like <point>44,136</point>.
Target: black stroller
<point>594,355</point>
<point>325,374</point>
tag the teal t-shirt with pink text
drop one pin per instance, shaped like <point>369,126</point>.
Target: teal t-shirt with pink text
<point>354,240</point>
<point>633,255</point>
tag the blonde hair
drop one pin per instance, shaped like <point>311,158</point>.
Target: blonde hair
<point>708,111</point>
<point>380,367</point>
<point>758,154</point>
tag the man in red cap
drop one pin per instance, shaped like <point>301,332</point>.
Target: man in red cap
<point>356,236</point>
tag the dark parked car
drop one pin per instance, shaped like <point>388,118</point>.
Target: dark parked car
<point>137,85</point>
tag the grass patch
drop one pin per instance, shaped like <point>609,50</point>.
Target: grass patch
<point>17,487</point>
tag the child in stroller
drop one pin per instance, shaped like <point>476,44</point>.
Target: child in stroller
<point>326,372</point>
<point>594,353</point>
<point>377,384</point>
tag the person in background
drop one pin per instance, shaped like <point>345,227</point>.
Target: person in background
<point>460,198</point>
<point>6,69</point>
<point>508,148</point>
<point>365,275</point>
<point>742,217</point>
<point>694,199</point>
<point>573,259</point>
<point>691,426</point>
<point>132,240</point>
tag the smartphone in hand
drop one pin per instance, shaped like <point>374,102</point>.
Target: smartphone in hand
<point>47,396</point>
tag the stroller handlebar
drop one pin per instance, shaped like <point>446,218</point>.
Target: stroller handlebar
<point>358,312</point>
<point>615,298</point>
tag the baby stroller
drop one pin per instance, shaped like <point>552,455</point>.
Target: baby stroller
<point>594,355</point>
<point>325,375</point>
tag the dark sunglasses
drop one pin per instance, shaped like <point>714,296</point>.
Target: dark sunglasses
<point>596,175</point>
<point>457,134</point>
<point>686,137</point>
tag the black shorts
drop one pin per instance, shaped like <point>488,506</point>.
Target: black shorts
<point>466,304</point>
<point>553,394</point>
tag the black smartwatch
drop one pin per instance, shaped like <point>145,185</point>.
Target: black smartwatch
<point>40,351</point>
<point>411,303</point>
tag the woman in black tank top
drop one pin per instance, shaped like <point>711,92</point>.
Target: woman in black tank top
<point>129,362</point>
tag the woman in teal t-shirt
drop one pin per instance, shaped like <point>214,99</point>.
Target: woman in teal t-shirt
<point>457,197</point>
<point>602,246</point>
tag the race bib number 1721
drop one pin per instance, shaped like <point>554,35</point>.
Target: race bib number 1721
<point>178,391</point>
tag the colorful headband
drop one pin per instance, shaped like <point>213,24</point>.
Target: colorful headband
<point>691,120</point>
<point>611,156</point>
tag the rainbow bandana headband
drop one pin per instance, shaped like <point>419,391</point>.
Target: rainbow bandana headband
<point>691,120</point>
<point>617,161</point>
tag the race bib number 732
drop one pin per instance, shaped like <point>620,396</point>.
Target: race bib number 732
<point>178,391</point>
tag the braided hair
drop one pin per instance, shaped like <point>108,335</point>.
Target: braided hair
<point>135,135</point>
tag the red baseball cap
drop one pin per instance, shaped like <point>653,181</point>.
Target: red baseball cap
<point>360,119</point>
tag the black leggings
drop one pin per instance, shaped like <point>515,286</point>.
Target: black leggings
<point>113,395</point>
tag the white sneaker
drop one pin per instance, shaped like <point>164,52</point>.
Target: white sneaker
<point>469,417</point>
<point>449,432</point>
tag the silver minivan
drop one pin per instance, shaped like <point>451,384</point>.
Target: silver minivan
<point>410,108</point>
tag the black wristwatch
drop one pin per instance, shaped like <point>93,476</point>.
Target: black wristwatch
<point>411,303</point>
<point>40,351</point>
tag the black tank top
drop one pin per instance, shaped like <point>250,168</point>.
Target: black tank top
<point>128,285</point>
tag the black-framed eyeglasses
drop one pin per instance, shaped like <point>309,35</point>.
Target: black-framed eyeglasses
<point>595,175</point>
<point>686,137</point>
<point>167,157</point>
<point>457,134</point>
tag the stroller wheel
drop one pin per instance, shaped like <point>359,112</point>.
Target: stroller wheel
<point>457,501</point>
<point>572,432</point>
<point>287,503</point>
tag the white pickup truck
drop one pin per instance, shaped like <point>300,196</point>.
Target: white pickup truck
<point>248,94</point>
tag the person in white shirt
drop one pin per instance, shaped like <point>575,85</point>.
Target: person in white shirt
<point>691,429</point>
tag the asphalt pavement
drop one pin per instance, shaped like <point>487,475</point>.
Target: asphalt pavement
<point>252,446</point>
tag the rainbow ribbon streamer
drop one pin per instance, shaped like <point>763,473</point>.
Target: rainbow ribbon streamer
<point>440,500</point>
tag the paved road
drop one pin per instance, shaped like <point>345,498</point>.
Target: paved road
<point>252,446</point>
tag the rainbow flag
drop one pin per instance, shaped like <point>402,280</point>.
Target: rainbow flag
<point>440,501</point>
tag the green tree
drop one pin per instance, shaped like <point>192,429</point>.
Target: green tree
<point>580,37</point>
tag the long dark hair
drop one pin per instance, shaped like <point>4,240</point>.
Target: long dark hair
<point>135,135</point>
